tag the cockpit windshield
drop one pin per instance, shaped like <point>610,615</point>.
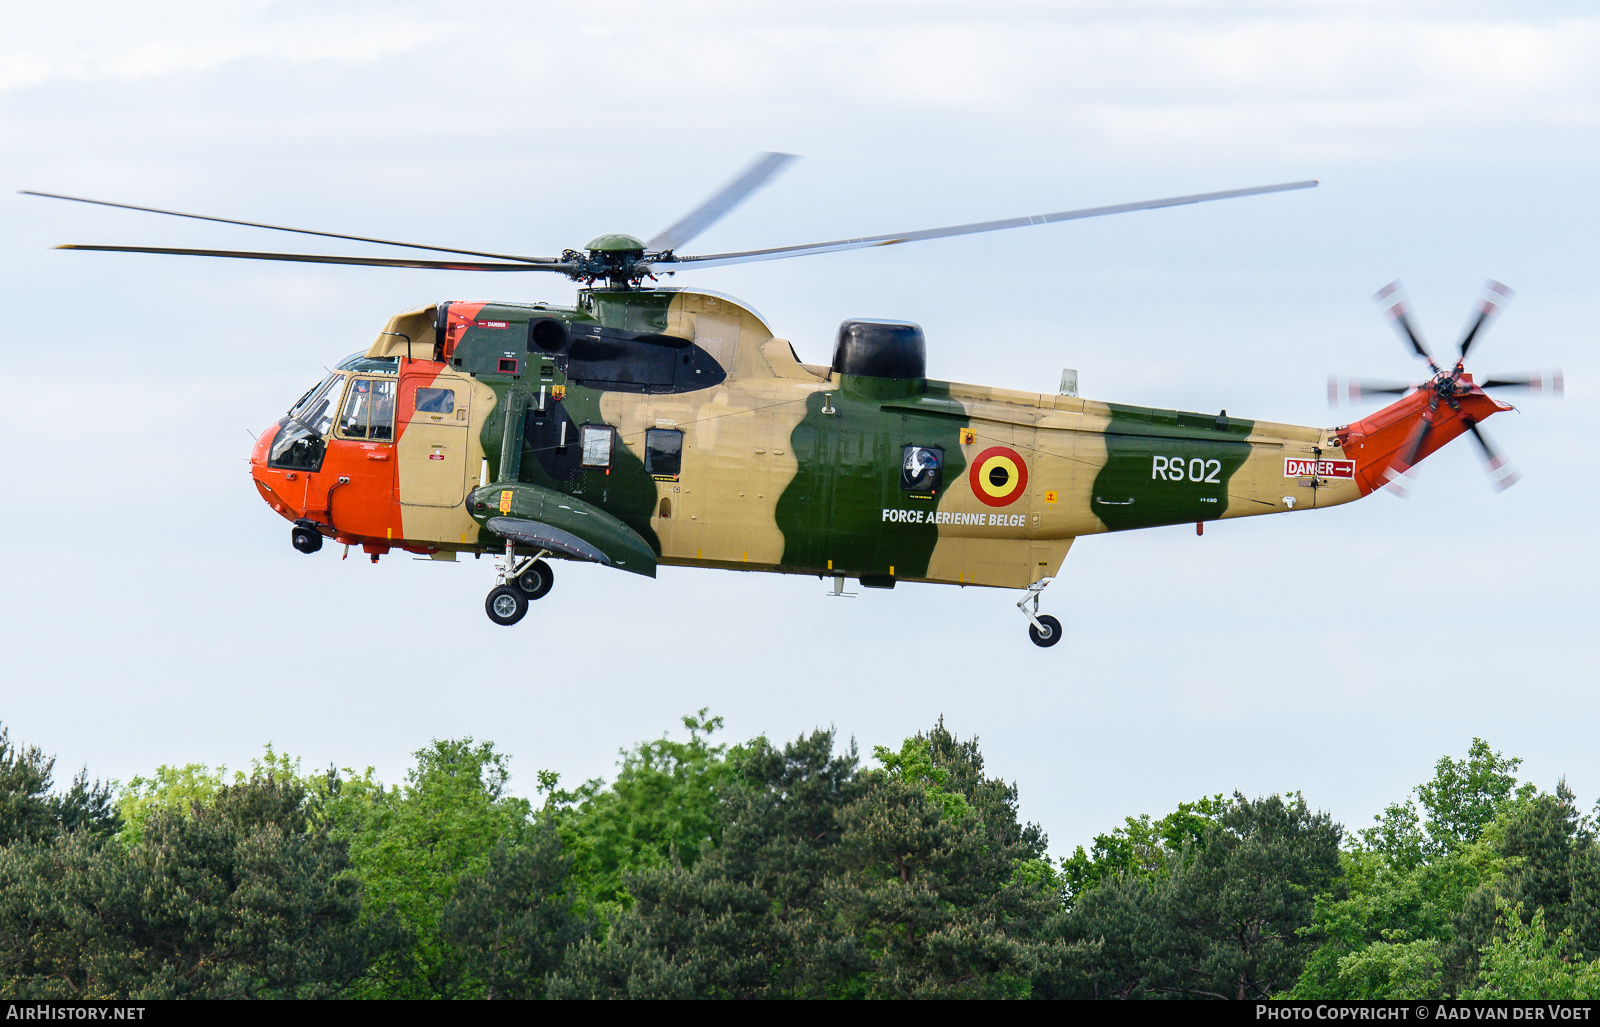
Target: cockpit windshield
<point>315,408</point>
<point>299,444</point>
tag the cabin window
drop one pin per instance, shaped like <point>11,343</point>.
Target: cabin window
<point>368,410</point>
<point>597,442</point>
<point>921,469</point>
<point>436,401</point>
<point>663,453</point>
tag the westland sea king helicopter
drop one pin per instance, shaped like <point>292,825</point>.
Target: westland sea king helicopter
<point>648,425</point>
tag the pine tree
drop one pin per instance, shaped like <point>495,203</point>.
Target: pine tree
<point>243,898</point>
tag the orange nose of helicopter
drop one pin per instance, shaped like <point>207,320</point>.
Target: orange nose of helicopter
<point>328,465</point>
<point>285,480</point>
<point>260,474</point>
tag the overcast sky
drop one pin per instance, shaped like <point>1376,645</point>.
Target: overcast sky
<point>154,612</point>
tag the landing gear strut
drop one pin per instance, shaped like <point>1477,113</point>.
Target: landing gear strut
<point>518,580</point>
<point>1044,630</point>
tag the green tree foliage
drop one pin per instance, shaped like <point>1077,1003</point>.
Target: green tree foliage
<point>1465,796</point>
<point>1142,847</point>
<point>241,898</point>
<point>514,921</point>
<point>28,807</point>
<point>832,880</point>
<point>663,802</point>
<point>1428,887</point>
<point>1552,868</point>
<point>1523,962</point>
<point>412,847</point>
<point>181,790</point>
<point>1225,918</point>
<point>757,871</point>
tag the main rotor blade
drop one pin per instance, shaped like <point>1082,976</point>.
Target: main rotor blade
<point>317,258</point>
<point>779,252</point>
<point>719,203</point>
<point>1538,381</point>
<point>280,228</point>
<point>1504,474</point>
<point>1399,312</point>
<point>1494,297</point>
<point>1352,390</point>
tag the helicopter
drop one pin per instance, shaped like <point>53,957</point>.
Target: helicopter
<point>648,425</point>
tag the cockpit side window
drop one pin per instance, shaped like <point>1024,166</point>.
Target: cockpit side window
<point>368,410</point>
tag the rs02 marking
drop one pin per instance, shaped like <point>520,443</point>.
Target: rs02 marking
<point>1173,468</point>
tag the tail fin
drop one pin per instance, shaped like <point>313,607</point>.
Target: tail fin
<point>1391,441</point>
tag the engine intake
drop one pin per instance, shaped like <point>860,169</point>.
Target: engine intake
<point>872,348</point>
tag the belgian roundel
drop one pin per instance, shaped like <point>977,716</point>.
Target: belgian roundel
<point>999,476</point>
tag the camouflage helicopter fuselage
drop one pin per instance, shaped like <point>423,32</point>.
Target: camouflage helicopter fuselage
<point>647,427</point>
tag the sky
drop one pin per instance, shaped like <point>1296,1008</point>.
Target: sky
<point>153,611</point>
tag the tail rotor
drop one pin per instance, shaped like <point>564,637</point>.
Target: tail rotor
<point>1446,388</point>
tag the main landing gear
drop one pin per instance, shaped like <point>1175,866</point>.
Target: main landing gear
<point>518,581</point>
<point>1044,629</point>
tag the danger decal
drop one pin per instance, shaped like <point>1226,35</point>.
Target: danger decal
<point>999,476</point>
<point>1297,467</point>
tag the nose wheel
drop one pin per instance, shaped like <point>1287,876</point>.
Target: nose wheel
<point>1043,629</point>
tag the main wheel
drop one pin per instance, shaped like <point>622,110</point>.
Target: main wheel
<point>535,582</point>
<point>307,540</point>
<point>1049,636</point>
<point>506,605</point>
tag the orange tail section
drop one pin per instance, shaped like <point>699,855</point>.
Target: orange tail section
<point>1376,442</point>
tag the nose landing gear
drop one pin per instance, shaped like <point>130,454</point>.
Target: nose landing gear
<point>1044,630</point>
<point>518,581</point>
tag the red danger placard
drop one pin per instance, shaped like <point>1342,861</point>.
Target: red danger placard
<point>491,324</point>
<point>1295,467</point>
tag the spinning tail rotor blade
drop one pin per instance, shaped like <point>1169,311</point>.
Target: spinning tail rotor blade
<point>717,205</point>
<point>275,228</point>
<point>1394,303</point>
<point>1408,454</point>
<point>1353,390</point>
<point>1500,472</point>
<point>1494,297</point>
<point>319,258</point>
<point>779,252</point>
<point>1550,382</point>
